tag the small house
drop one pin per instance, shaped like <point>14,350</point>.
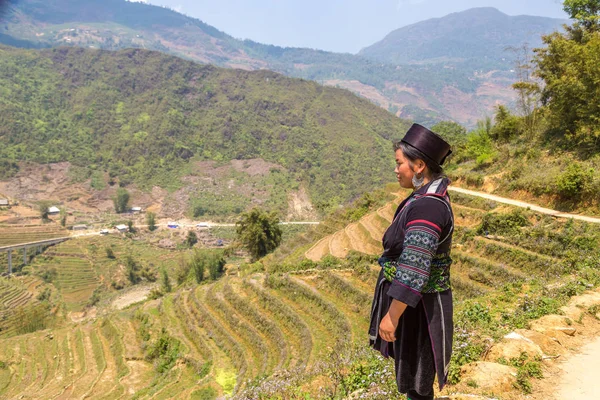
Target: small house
<point>79,227</point>
<point>135,210</point>
<point>3,202</point>
<point>122,228</point>
<point>53,210</point>
<point>173,225</point>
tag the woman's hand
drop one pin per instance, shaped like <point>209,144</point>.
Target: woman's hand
<point>387,328</point>
<point>389,323</point>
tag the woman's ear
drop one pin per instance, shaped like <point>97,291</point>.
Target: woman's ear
<point>420,166</point>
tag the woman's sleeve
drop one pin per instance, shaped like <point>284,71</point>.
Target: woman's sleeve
<point>424,224</point>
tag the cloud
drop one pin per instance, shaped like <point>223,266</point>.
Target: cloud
<point>403,3</point>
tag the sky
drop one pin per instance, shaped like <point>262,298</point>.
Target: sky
<point>336,25</point>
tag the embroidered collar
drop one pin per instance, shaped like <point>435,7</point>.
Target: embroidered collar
<point>437,187</point>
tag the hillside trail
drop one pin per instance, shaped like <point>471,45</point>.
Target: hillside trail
<point>580,374</point>
<point>523,204</point>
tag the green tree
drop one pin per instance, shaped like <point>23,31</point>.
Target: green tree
<point>507,125</point>
<point>191,239</point>
<point>585,12</point>
<point>211,260</point>
<point>44,213</point>
<point>63,217</point>
<point>198,265</point>
<point>151,221</point>
<point>132,269</point>
<point>479,143</point>
<point>258,232</point>
<point>130,226</point>
<point>165,282</point>
<point>121,200</point>
<point>569,67</point>
<point>216,265</point>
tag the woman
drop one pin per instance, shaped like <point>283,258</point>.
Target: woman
<point>411,314</point>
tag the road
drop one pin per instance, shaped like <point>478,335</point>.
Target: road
<point>523,204</point>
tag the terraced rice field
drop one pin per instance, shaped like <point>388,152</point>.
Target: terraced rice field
<point>15,294</point>
<point>10,235</point>
<point>76,277</point>
<point>238,329</point>
<point>231,332</point>
<point>480,264</point>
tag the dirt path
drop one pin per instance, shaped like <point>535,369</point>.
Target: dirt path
<point>133,296</point>
<point>580,374</point>
<point>522,204</point>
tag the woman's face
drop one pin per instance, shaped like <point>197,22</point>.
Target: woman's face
<point>403,170</point>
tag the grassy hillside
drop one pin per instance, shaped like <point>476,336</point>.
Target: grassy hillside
<point>146,118</point>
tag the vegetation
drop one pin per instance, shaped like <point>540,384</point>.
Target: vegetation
<point>154,130</point>
<point>151,221</point>
<point>259,232</point>
<point>121,200</point>
<point>191,239</point>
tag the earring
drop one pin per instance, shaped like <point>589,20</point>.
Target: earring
<point>418,179</point>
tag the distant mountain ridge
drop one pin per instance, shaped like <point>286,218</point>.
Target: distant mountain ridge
<point>426,93</point>
<point>478,35</point>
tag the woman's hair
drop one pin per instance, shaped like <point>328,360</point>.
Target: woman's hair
<point>413,155</point>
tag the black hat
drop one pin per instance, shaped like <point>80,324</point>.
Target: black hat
<point>427,142</point>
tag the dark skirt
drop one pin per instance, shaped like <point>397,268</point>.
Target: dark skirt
<point>423,343</point>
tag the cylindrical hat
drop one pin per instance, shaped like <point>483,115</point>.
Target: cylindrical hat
<point>428,143</point>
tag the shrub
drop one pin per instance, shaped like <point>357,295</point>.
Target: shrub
<point>572,183</point>
<point>502,223</point>
<point>109,252</point>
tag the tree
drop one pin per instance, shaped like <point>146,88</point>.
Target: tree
<point>132,269</point>
<point>63,217</point>
<point>198,265</point>
<point>121,200</point>
<point>216,265</point>
<point>527,88</point>
<point>258,232</point>
<point>585,12</point>
<point>165,283</point>
<point>130,226</point>
<point>191,239</point>
<point>151,221</point>
<point>43,208</point>
<point>204,259</point>
<point>569,67</point>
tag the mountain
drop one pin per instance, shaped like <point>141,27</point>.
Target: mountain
<point>478,38</point>
<point>157,120</point>
<point>425,93</point>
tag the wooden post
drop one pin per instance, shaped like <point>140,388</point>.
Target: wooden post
<point>9,262</point>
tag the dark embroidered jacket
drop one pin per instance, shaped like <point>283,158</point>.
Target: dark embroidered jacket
<point>418,244</point>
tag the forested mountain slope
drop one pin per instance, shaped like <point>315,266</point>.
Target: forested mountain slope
<point>149,118</point>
